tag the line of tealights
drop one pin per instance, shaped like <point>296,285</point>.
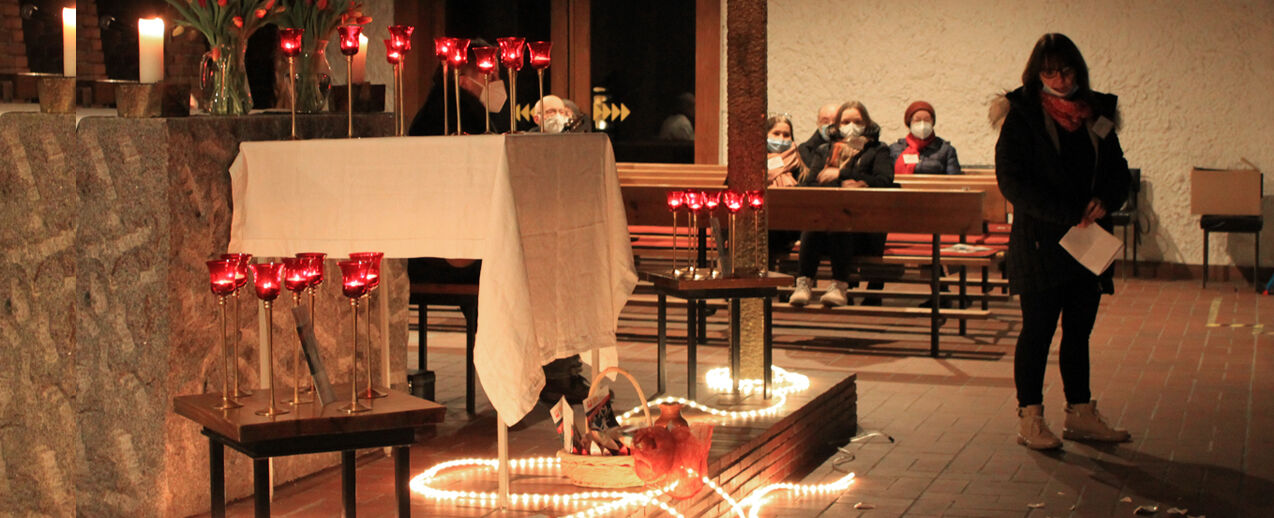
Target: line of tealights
<point>753,502</point>
<point>697,202</point>
<point>785,382</point>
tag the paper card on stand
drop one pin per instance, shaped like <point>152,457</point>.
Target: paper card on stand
<point>1092,246</point>
<point>774,162</point>
<point>568,424</point>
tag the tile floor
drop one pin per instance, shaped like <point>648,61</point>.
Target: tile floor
<point>1188,371</point>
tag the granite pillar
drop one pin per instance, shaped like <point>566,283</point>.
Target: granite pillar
<point>39,438</point>
<point>154,205</point>
<point>745,125</point>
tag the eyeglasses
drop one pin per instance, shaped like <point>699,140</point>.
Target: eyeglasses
<point>1055,72</point>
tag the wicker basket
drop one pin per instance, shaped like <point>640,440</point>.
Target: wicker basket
<point>605,471</point>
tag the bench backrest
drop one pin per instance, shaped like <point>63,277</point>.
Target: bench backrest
<point>995,209</point>
<point>863,210</point>
<point>683,175</point>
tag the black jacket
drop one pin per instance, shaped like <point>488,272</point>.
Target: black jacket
<point>871,165</point>
<point>429,119</point>
<point>813,151</point>
<point>1049,197</point>
<point>939,157</point>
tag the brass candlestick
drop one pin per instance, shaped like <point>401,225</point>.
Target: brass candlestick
<point>446,116</point>
<point>513,101</point>
<point>486,112</point>
<point>239,392</point>
<point>398,110</point>
<point>354,406</point>
<point>459,130</point>
<point>540,72</point>
<point>297,377</point>
<point>226,401</point>
<point>349,96</point>
<point>270,410</point>
<point>292,91</point>
<point>675,272</point>
<point>369,392</point>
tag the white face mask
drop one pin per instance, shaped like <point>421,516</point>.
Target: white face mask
<point>498,96</point>
<point>556,123</point>
<point>921,129</point>
<point>851,130</point>
<point>1053,92</point>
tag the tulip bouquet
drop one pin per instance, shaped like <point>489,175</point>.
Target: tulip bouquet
<point>227,24</point>
<point>318,19</point>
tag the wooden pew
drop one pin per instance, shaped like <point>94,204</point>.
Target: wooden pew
<point>921,211</point>
<point>995,209</point>
<point>700,176</point>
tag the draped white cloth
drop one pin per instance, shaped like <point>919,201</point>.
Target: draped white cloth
<point>543,212</point>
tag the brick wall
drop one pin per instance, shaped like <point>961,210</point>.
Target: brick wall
<point>89,61</point>
<point>13,53</point>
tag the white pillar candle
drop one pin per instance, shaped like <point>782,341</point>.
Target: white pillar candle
<point>360,61</point>
<point>68,41</point>
<point>150,50</point>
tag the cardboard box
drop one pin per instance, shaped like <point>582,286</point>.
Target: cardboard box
<point>1225,192</point>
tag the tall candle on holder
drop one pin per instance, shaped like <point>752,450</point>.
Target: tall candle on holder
<point>150,50</point>
<point>68,41</point>
<point>360,61</point>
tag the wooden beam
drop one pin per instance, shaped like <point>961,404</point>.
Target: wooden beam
<point>707,81</point>
<point>430,19</point>
<point>570,29</point>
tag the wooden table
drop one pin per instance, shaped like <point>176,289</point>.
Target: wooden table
<point>392,422</point>
<point>695,290</point>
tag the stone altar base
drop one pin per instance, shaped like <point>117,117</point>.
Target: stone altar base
<point>154,204</point>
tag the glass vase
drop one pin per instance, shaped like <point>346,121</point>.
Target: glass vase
<point>313,79</point>
<point>224,79</point>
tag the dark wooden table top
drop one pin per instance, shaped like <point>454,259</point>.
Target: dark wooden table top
<point>662,279</point>
<point>398,410</point>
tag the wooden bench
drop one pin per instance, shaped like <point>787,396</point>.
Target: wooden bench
<point>920,211</point>
<point>463,296</point>
<point>697,176</point>
<point>995,208</point>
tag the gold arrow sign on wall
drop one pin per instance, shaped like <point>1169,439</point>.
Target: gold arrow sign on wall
<point>603,111</point>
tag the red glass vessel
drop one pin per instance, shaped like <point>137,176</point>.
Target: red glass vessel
<point>400,35</point>
<point>511,52</point>
<point>290,41</point>
<point>540,54</point>
<point>349,38</point>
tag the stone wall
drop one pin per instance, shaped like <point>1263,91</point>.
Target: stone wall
<point>13,52</point>
<point>1190,77</point>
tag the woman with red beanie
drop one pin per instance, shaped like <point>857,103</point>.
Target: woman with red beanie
<point>921,151</point>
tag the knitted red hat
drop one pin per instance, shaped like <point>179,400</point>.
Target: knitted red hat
<point>915,107</point>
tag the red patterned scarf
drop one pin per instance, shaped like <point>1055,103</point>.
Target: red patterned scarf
<point>914,145</point>
<point>1070,114</point>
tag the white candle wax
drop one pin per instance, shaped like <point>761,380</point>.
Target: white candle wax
<point>360,61</point>
<point>150,50</point>
<point>68,41</point>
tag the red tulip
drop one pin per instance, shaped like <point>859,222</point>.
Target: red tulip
<point>238,22</point>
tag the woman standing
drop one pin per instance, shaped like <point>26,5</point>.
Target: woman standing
<point>1059,162</point>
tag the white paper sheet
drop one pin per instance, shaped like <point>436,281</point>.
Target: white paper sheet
<point>1092,246</point>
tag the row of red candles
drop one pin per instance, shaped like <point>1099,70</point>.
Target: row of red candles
<point>359,274</point>
<point>696,201</point>
<point>454,51</point>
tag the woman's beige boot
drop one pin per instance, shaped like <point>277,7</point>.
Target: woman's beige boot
<point>1085,423</point>
<point>1032,431</point>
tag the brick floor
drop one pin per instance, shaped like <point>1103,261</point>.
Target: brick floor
<point>1188,371</point>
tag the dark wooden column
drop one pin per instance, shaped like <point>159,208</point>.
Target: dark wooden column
<point>745,142</point>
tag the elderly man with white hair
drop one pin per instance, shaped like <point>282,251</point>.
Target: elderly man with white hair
<point>553,118</point>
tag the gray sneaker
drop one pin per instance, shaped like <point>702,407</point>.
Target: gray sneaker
<point>835,294</point>
<point>801,296</point>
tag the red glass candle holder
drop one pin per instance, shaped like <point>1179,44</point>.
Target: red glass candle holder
<point>221,277</point>
<point>540,54</point>
<point>442,48</point>
<point>400,35</point>
<point>511,52</point>
<point>372,259</point>
<point>296,278</point>
<point>676,199</point>
<point>711,200</point>
<point>268,281</point>
<point>459,53</point>
<point>354,286</point>
<point>392,55</point>
<point>485,59</point>
<point>733,201</point>
<point>290,41</point>
<point>694,200</point>
<point>349,38</point>
<point>756,199</point>
<point>240,280</point>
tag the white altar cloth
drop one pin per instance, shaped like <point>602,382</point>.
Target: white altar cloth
<point>543,212</point>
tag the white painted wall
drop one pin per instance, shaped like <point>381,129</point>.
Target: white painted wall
<point>1194,79</point>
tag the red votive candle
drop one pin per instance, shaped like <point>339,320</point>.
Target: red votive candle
<point>241,271</point>
<point>756,199</point>
<point>392,55</point>
<point>221,276</point>
<point>295,274</point>
<point>442,47</point>
<point>711,200</point>
<point>290,41</point>
<point>373,266</point>
<point>733,200</point>
<point>485,59</point>
<point>349,38</point>
<point>540,54</point>
<point>459,53</point>
<point>353,278</point>
<point>267,279</point>
<point>400,36</point>
<point>694,200</point>
<point>511,52</point>
<point>676,199</point>
<point>313,267</point>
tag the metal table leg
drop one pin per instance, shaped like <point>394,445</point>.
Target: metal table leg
<point>217,471</point>
<point>261,487</point>
<point>402,465</point>
<point>735,345</point>
<point>986,288</point>
<point>692,321</point>
<point>767,347</point>
<point>934,286</point>
<point>662,332</point>
<point>964,290</point>
<point>347,483</point>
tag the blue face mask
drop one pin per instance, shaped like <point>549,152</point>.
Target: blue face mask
<point>773,145</point>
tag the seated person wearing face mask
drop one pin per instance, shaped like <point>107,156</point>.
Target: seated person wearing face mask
<point>783,167</point>
<point>921,151</point>
<point>554,118</point>
<point>473,108</point>
<point>856,158</point>
<point>809,149</point>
